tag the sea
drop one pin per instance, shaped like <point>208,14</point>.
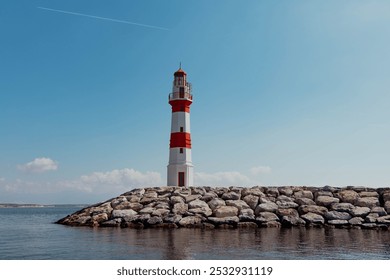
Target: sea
<point>31,234</point>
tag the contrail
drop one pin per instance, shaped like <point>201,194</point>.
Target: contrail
<point>103,18</point>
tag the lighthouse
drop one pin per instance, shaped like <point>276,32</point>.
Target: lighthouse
<point>180,168</point>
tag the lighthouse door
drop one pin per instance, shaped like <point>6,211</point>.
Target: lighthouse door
<point>181,179</point>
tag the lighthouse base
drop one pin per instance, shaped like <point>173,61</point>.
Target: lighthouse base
<point>180,175</point>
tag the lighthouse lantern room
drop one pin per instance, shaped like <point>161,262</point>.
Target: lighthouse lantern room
<point>180,168</point>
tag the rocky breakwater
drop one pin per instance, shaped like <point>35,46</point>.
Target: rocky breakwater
<point>206,207</point>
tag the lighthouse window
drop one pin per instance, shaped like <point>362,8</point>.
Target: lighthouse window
<point>181,129</point>
<point>181,150</point>
<point>181,92</point>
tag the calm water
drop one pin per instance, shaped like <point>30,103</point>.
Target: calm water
<point>29,233</point>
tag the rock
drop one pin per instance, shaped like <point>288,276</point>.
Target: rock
<point>287,212</point>
<point>209,196</point>
<point>146,200</point>
<point>224,220</point>
<point>225,211</point>
<point>369,202</point>
<point>99,218</point>
<point>304,194</point>
<point>264,217</point>
<point>192,197</point>
<point>205,211</point>
<point>255,191</point>
<point>360,211</point>
<point>135,206</point>
<point>173,219</point>
<point>112,223</point>
<point>338,222</point>
<point>252,201</point>
<point>313,218</point>
<point>154,220</point>
<point>133,198</point>
<point>247,211</point>
<point>239,204</point>
<point>342,207</point>
<point>123,213</point>
<point>286,204</point>
<point>271,224</point>
<point>197,204</point>
<point>369,225</point>
<point>369,194</point>
<point>356,221</point>
<point>289,221</point>
<point>179,208</point>
<point>147,210</point>
<point>386,196</point>
<point>190,221</point>
<point>271,191</point>
<point>304,201</point>
<point>348,196</point>
<point>287,191</point>
<point>335,215</point>
<point>216,202</point>
<point>231,196</point>
<point>198,190</point>
<point>387,206</point>
<point>116,201</point>
<point>164,190</point>
<point>247,218</point>
<point>143,218</point>
<point>183,192</point>
<point>326,201</point>
<point>162,205</point>
<point>160,212</point>
<point>320,210</point>
<point>323,193</point>
<point>380,210</point>
<point>384,220</point>
<point>284,198</point>
<point>177,199</point>
<point>371,218</point>
<point>266,207</point>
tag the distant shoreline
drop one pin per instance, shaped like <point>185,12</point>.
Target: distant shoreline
<point>34,205</point>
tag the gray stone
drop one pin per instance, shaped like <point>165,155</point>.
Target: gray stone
<point>154,220</point>
<point>143,218</point>
<point>116,201</point>
<point>386,196</point>
<point>287,212</point>
<point>304,209</point>
<point>231,196</point>
<point>289,221</point>
<point>133,198</point>
<point>286,204</point>
<point>198,190</point>
<point>209,196</point>
<point>384,220</point>
<point>264,217</point>
<point>348,196</point>
<point>179,208</point>
<point>205,211</point>
<point>284,198</point>
<point>123,213</point>
<point>256,191</point>
<point>99,218</point>
<point>287,191</point>
<point>177,199</point>
<point>304,201</point>
<point>271,224</point>
<point>387,206</point>
<point>266,207</point>
<point>313,218</point>
<point>192,197</point>
<point>246,225</point>
<point>360,211</point>
<point>371,218</point>
<point>112,223</point>
<point>323,193</point>
<point>247,218</point>
<point>225,211</point>
<point>224,220</point>
<point>356,221</point>
<point>239,204</point>
<point>247,211</point>
<point>272,191</point>
<point>135,206</point>
<point>252,201</point>
<point>172,219</point>
<point>342,207</point>
<point>335,215</point>
<point>303,194</point>
<point>216,202</point>
<point>326,200</point>
<point>146,210</point>
<point>369,225</point>
<point>160,212</point>
<point>380,210</point>
<point>369,202</point>
<point>197,204</point>
<point>190,221</point>
<point>338,222</point>
<point>369,194</point>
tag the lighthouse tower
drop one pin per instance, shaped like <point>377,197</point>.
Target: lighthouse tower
<point>180,168</point>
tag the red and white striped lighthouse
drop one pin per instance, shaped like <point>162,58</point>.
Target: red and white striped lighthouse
<point>180,168</point>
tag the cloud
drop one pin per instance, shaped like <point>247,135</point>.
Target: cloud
<point>257,170</point>
<point>2,179</point>
<point>220,179</point>
<point>39,165</point>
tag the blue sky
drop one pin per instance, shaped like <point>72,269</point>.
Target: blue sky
<point>285,93</point>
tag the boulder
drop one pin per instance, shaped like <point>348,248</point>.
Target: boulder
<point>287,212</point>
<point>209,196</point>
<point>99,218</point>
<point>369,194</point>
<point>204,211</point>
<point>264,217</point>
<point>112,223</point>
<point>304,201</point>
<point>386,196</point>
<point>313,218</point>
<point>304,209</point>
<point>342,207</point>
<point>272,191</point>
<point>197,204</point>
<point>160,212</point>
<point>348,196</point>
<point>216,202</point>
<point>360,211</point>
<point>338,222</point>
<point>303,194</point>
<point>371,218</point>
<point>387,206</point>
<point>172,218</point>
<point>246,225</point>
<point>323,193</point>
<point>289,221</point>
<point>154,221</point>
<point>326,201</point>
<point>255,191</point>
<point>133,198</point>
<point>231,196</point>
<point>135,206</point>
<point>356,221</point>
<point>380,210</point>
<point>287,191</point>
<point>271,224</point>
<point>384,220</point>
<point>284,198</point>
<point>232,220</point>
<point>247,211</point>
<point>123,213</point>
<point>147,210</point>
<point>251,200</point>
<point>179,208</point>
<point>190,221</point>
<point>247,218</point>
<point>239,204</point>
<point>225,211</point>
<point>177,199</point>
<point>286,204</point>
<point>369,202</point>
<point>266,207</point>
<point>335,215</point>
<point>192,197</point>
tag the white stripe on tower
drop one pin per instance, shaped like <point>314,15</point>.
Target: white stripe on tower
<point>180,168</point>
